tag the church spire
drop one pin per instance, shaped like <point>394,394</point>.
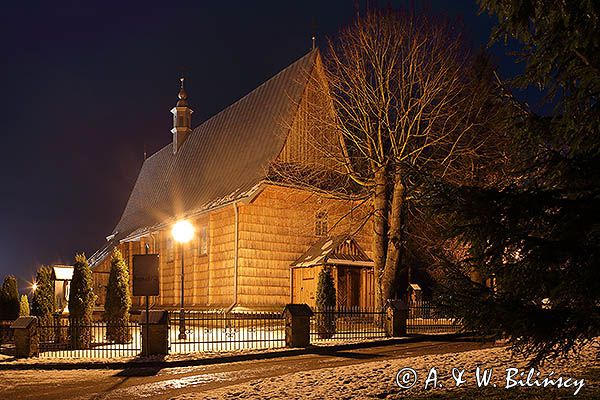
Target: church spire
<point>182,94</point>
<point>182,118</point>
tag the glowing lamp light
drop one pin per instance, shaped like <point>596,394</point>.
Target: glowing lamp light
<point>34,286</point>
<point>183,231</point>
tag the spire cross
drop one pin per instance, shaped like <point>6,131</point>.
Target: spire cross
<point>314,33</point>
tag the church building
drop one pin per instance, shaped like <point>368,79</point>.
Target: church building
<point>258,243</point>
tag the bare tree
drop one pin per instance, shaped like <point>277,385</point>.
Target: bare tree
<point>398,98</point>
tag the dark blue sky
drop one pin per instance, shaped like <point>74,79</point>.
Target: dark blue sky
<point>86,84</point>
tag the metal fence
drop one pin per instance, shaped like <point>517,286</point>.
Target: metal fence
<point>218,331</point>
<point>221,331</point>
<point>425,318</point>
<point>347,324</point>
<point>62,338</point>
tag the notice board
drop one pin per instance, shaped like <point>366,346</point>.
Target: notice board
<point>145,275</point>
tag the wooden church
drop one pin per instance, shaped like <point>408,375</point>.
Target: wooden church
<point>258,243</point>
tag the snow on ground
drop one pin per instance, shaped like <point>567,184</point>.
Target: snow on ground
<point>377,379</point>
<point>173,357</point>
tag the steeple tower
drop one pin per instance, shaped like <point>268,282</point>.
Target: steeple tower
<point>182,119</point>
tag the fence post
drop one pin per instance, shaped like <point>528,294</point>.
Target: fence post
<point>155,341</point>
<point>297,325</point>
<point>58,333</point>
<point>26,337</point>
<point>397,316</point>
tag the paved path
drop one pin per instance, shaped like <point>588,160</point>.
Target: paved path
<point>138,383</point>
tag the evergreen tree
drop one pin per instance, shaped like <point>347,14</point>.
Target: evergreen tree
<point>9,298</point>
<point>42,301</point>
<point>24,306</point>
<point>534,241</point>
<point>325,302</point>
<point>81,304</point>
<point>118,301</point>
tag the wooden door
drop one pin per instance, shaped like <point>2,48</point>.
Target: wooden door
<point>367,294</point>
<point>349,287</point>
<point>303,286</point>
<point>342,287</point>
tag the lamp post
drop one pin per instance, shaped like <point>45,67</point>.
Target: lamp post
<point>183,232</point>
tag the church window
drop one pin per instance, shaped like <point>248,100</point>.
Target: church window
<point>170,250</point>
<point>203,241</point>
<point>321,223</point>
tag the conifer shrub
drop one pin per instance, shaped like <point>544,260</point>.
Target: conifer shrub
<point>118,301</point>
<point>24,306</point>
<point>325,303</point>
<point>9,299</point>
<point>42,301</point>
<point>81,304</point>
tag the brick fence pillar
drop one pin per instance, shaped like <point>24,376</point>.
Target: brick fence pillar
<point>26,337</point>
<point>155,335</point>
<point>297,325</point>
<point>397,317</point>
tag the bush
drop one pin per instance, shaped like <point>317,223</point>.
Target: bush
<point>24,306</point>
<point>42,301</point>
<point>326,300</point>
<point>9,299</point>
<point>81,304</point>
<point>118,301</point>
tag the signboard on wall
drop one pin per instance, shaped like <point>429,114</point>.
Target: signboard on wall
<point>145,275</point>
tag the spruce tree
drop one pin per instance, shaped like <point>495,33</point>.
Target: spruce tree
<point>534,238</point>
<point>325,303</point>
<point>24,306</point>
<point>42,301</point>
<point>118,301</point>
<point>81,304</point>
<point>9,298</point>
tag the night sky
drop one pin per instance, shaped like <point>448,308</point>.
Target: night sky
<point>86,85</point>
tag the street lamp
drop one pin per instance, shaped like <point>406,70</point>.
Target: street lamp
<point>183,232</point>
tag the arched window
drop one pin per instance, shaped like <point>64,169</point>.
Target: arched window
<point>203,241</point>
<point>170,250</point>
<point>321,223</point>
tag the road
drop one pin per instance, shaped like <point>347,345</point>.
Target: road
<point>166,383</point>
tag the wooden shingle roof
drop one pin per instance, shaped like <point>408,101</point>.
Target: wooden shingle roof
<point>222,160</point>
<point>330,250</point>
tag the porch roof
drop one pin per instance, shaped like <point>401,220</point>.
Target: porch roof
<point>62,272</point>
<point>339,250</point>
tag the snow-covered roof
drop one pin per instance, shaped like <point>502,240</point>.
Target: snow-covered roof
<point>62,272</point>
<point>342,250</point>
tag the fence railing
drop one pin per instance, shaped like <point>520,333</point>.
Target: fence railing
<point>347,324</point>
<point>217,331</point>
<point>425,318</point>
<point>222,331</point>
<point>60,338</point>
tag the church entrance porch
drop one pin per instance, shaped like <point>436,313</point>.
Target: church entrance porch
<point>351,269</point>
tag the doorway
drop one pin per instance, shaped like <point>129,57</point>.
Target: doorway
<point>348,287</point>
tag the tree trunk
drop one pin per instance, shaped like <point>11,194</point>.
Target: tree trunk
<point>380,210</point>
<point>395,238</point>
